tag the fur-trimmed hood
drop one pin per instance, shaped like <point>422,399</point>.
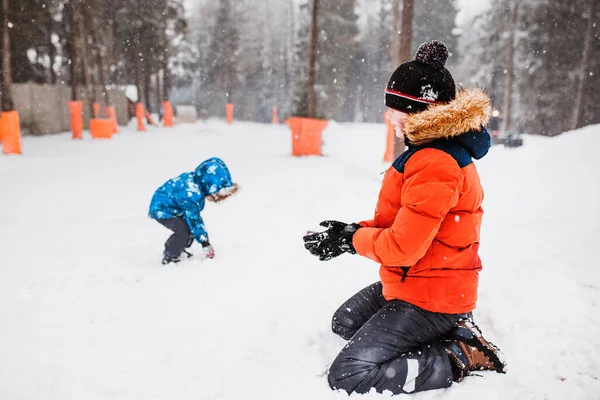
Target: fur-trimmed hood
<point>469,111</point>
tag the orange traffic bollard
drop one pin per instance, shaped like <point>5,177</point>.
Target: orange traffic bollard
<point>76,109</point>
<point>10,132</point>
<point>101,128</point>
<point>306,135</point>
<point>167,113</point>
<point>96,109</point>
<point>229,112</point>
<point>275,118</point>
<point>139,114</point>
<point>111,113</point>
<point>390,141</point>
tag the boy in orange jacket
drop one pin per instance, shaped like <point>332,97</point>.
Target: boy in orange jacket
<point>413,331</point>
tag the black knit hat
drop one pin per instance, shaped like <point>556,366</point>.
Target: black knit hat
<point>416,84</point>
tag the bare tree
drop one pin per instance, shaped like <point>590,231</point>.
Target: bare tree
<point>7,100</point>
<point>407,30</point>
<point>139,74</point>
<point>395,42</point>
<point>312,58</point>
<point>403,54</point>
<point>75,15</point>
<point>585,65</point>
<point>88,83</point>
<point>510,66</point>
<point>100,34</point>
<point>166,81</point>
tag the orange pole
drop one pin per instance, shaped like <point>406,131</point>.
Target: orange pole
<point>275,118</point>
<point>10,132</point>
<point>388,156</point>
<point>139,114</point>
<point>96,107</point>
<point>167,113</point>
<point>111,113</point>
<point>101,128</point>
<point>76,109</point>
<point>306,135</point>
<point>229,112</point>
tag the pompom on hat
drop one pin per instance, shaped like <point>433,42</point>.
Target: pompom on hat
<point>417,84</point>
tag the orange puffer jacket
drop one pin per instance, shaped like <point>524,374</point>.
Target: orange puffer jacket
<point>425,233</point>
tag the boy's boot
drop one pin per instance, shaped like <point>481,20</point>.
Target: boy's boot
<point>469,351</point>
<point>168,258</point>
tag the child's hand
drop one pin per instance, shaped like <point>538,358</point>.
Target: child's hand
<point>209,251</point>
<point>335,241</point>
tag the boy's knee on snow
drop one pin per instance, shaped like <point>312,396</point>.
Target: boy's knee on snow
<point>340,327</point>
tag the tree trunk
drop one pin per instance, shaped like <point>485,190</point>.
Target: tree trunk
<point>102,75</point>
<point>407,29</point>
<point>147,93</point>
<point>395,43</point>
<point>404,54</point>
<point>51,48</point>
<point>312,59</point>
<point>139,79</point>
<point>166,91</point>
<point>509,68</point>
<point>86,64</point>
<point>99,32</point>
<point>74,11</point>
<point>6,84</point>
<point>158,93</point>
<point>288,64</point>
<point>585,65</point>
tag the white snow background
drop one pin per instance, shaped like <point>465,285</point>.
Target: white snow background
<point>88,312</point>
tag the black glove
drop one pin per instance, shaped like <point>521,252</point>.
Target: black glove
<point>336,240</point>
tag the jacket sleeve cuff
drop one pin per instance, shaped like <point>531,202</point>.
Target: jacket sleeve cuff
<point>370,223</point>
<point>363,242</point>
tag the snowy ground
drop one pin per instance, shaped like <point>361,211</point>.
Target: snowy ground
<point>87,311</point>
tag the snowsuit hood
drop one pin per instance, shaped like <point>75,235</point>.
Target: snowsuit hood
<point>212,176</point>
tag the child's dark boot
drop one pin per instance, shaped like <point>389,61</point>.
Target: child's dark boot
<point>469,351</point>
<point>169,258</point>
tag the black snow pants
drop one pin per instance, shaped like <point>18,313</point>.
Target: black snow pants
<point>181,236</point>
<point>393,345</point>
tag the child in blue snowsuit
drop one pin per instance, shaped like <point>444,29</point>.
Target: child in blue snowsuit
<point>178,202</point>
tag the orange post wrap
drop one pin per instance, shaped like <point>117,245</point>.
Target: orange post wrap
<point>390,141</point>
<point>229,112</point>
<point>275,118</point>
<point>167,113</point>
<point>306,135</point>
<point>96,108</point>
<point>139,114</point>
<point>76,109</point>
<point>111,113</point>
<point>101,128</point>
<point>10,132</point>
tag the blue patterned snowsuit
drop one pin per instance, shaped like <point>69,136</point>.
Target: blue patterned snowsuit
<point>184,196</point>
